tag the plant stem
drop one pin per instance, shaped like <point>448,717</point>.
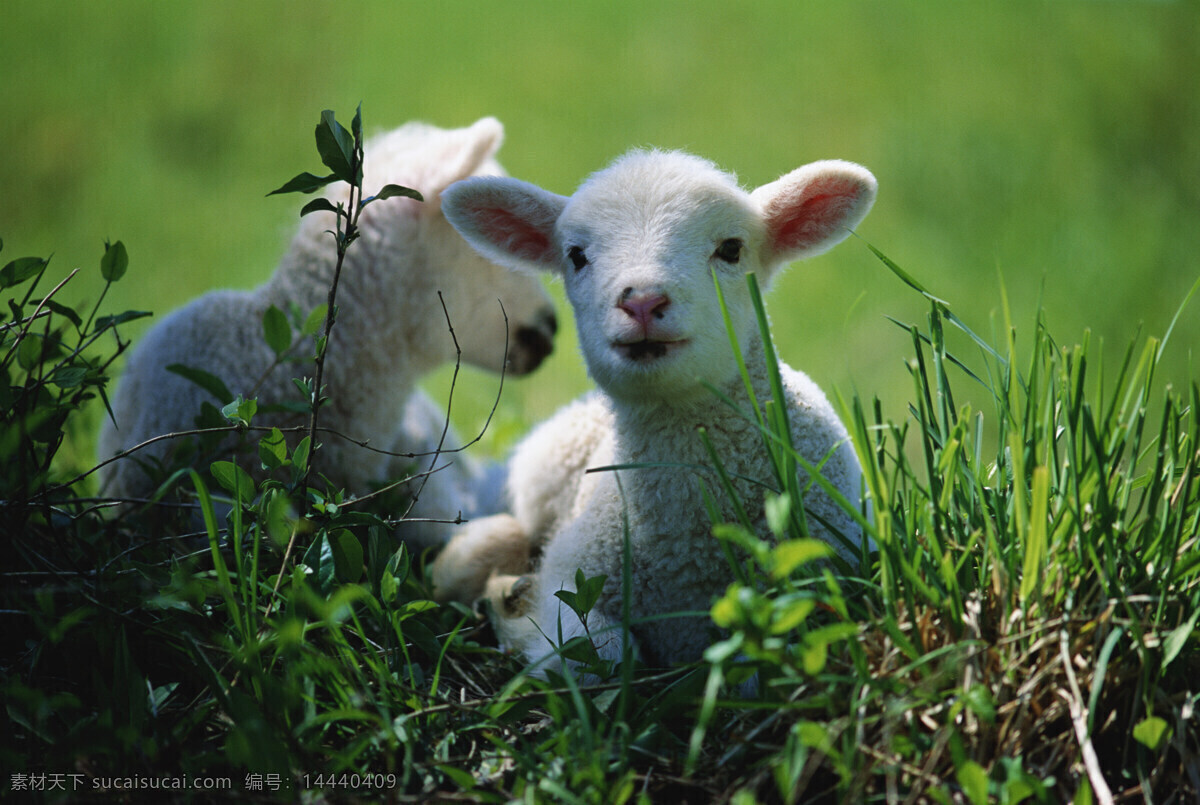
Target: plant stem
<point>344,239</point>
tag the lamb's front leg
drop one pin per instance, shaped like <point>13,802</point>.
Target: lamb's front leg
<point>490,546</point>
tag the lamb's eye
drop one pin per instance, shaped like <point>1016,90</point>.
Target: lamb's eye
<point>730,250</point>
<point>577,257</point>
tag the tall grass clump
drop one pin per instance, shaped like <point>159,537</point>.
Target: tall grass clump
<point>1029,630</point>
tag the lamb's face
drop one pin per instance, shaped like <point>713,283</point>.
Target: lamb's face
<point>638,245</point>
<point>641,243</point>
<point>500,317</point>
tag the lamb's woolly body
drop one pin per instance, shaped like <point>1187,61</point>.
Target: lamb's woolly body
<point>638,246</point>
<point>677,564</point>
<point>390,329</point>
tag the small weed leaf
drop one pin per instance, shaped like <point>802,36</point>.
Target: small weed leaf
<point>68,377</point>
<point>587,593</point>
<point>778,509</point>
<point>787,556</point>
<point>393,191</point>
<point>391,580</point>
<point>240,411</point>
<point>315,321</point>
<point>464,780</point>
<point>973,779</point>
<point>114,262</point>
<point>347,556</point>
<point>272,450</point>
<point>581,650</point>
<point>105,322</point>
<point>235,480</point>
<point>20,270</point>
<point>789,614</point>
<point>301,453</point>
<point>336,147</point>
<point>320,205</point>
<point>29,353</point>
<point>205,380</point>
<point>319,560</point>
<point>1152,732</point>
<point>276,330</point>
<point>63,311</point>
<point>1177,638</point>
<point>305,183</point>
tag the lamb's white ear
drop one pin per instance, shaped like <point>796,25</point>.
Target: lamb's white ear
<point>465,152</point>
<point>813,208</point>
<point>507,221</point>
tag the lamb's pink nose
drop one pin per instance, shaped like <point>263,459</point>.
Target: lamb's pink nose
<point>643,307</point>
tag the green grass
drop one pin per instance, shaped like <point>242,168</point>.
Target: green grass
<point>1026,631</point>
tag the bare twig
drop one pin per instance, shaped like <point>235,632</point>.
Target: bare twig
<point>1079,719</point>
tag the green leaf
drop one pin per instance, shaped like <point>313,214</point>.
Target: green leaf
<point>778,509</point>
<point>104,322</point>
<point>787,556</point>
<point>356,124</point>
<point>1152,732</point>
<point>300,454</point>
<point>29,353</point>
<point>586,594</point>
<point>68,377</point>
<point>336,147</point>
<point>63,310</point>
<point>19,270</point>
<point>114,262</point>
<point>392,191</point>
<point>205,380</point>
<point>787,617</point>
<point>813,657</point>
<point>305,183</point>
<point>464,781</point>
<point>318,205</point>
<point>240,411</point>
<point>272,450</point>
<point>319,559</point>
<point>315,320</point>
<point>1177,639</point>
<point>980,702</point>
<point>347,556</point>
<point>973,779</point>
<point>276,330</point>
<point>233,479</point>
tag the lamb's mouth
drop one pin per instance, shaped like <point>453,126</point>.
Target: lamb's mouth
<point>647,350</point>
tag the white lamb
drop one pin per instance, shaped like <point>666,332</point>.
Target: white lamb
<point>390,330</point>
<point>636,248</point>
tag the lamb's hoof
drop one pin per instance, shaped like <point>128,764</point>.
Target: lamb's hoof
<point>517,599</point>
<point>510,596</point>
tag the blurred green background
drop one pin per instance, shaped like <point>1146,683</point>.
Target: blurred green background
<point>1055,145</point>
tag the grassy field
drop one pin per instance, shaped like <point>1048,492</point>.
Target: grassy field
<point>1026,631</point>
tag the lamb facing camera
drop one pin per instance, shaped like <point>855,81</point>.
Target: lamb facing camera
<point>637,247</point>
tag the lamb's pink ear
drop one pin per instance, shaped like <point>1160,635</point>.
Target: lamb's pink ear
<point>507,221</point>
<point>813,208</point>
